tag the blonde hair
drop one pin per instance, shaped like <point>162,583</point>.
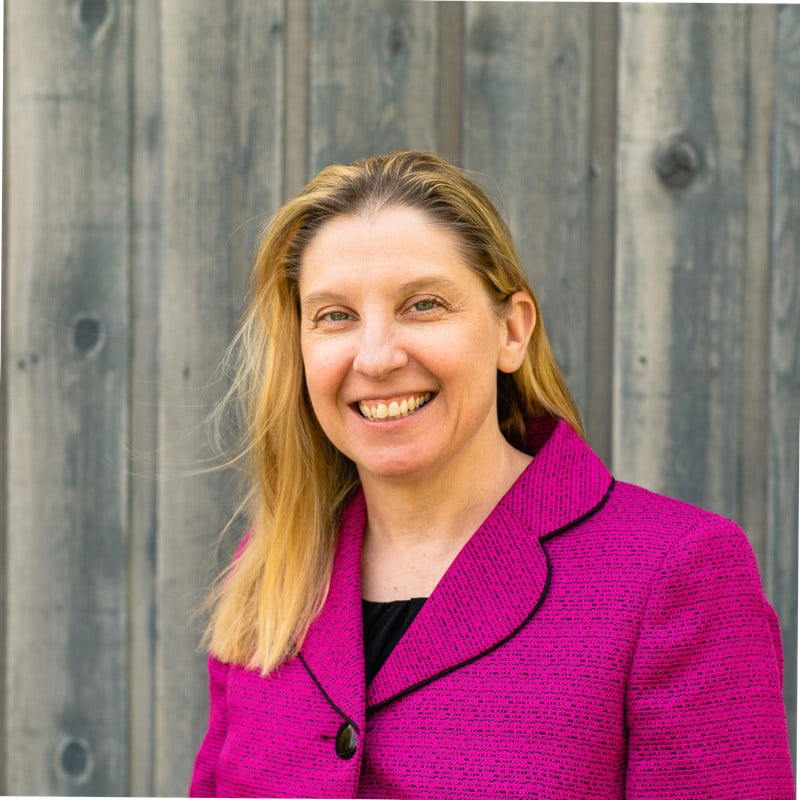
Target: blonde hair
<point>298,482</point>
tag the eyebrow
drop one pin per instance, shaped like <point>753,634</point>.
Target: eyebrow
<point>425,282</point>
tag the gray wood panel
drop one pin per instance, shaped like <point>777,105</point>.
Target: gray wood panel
<point>527,140</point>
<point>222,79</point>
<point>145,286</point>
<point>596,408</point>
<point>66,348</point>
<point>647,158</point>
<point>373,86</point>
<point>296,97</point>
<point>450,83</point>
<point>784,356</point>
<point>755,319</point>
<point>680,250</point>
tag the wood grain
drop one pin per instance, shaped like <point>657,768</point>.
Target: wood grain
<point>755,321</point>
<point>373,86</point>
<point>222,81</point>
<point>67,335</point>
<point>600,280</point>
<point>783,526</point>
<point>526,139</point>
<point>145,286</point>
<point>647,158</point>
<point>296,64</point>
<point>680,250</point>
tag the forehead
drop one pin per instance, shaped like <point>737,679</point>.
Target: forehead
<point>396,241</point>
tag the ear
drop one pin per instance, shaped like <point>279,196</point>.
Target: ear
<point>518,325</point>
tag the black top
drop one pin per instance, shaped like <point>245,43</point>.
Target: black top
<point>384,626</point>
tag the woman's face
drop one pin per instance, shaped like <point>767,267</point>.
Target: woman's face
<point>401,345</point>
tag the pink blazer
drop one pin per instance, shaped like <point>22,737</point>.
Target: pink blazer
<point>591,640</point>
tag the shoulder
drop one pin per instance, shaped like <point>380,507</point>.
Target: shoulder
<point>639,537</point>
<point>635,504</point>
<point>654,523</point>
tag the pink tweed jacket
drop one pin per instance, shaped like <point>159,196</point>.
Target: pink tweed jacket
<point>591,640</point>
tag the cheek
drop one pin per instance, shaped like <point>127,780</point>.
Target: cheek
<point>323,371</point>
<point>479,348</point>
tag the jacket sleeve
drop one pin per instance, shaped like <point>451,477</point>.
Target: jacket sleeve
<point>705,711</point>
<point>205,766</point>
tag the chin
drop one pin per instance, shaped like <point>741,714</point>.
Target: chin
<point>395,469</point>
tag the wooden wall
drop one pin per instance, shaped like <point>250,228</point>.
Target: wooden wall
<point>647,158</point>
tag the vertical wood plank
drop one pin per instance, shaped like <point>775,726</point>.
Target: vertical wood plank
<point>66,371</point>
<point>234,105</point>
<point>145,286</point>
<point>680,250</point>
<point>450,74</point>
<point>526,131</point>
<point>373,86</point>
<point>755,320</point>
<point>3,442</point>
<point>222,89</point>
<point>295,111</point>
<point>600,281</point>
<point>784,385</point>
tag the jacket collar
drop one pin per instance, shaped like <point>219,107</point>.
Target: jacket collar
<point>502,568</point>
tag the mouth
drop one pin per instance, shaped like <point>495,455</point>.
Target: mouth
<point>380,410</point>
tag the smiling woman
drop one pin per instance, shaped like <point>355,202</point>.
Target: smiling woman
<point>437,559</point>
<point>393,318</point>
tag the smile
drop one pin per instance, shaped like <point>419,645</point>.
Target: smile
<point>396,409</point>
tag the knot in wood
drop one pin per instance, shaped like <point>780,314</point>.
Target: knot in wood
<point>677,162</point>
<point>87,333</point>
<point>74,759</point>
<point>397,40</point>
<point>93,13</point>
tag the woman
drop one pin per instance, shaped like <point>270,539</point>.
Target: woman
<point>444,592</point>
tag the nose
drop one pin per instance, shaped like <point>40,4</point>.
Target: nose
<point>379,352</point>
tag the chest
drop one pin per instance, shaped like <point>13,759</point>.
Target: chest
<point>544,709</point>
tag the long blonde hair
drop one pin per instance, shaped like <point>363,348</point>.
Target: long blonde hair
<point>298,482</point>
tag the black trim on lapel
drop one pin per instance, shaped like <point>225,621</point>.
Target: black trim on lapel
<point>333,650</point>
<point>419,684</point>
<point>503,567</point>
<point>327,696</point>
<point>583,517</point>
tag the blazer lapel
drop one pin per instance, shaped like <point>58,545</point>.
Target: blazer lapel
<point>500,577</point>
<point>491,590</point>
<point>333,650</point>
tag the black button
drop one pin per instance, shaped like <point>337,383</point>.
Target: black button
<point>346,741</point>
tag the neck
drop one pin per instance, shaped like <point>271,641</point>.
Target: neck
<point>417,527</point>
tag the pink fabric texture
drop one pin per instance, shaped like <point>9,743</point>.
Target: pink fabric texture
<point>591,640</point>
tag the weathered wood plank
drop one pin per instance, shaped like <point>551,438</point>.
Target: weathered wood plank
<point>526,130</point>
<point>222,90</point>
<point>755,364</point>
<point>373,86</point>
<point>680,249</point>
<point>784,356</point>
<point>450,75</point>
<point>66,344</point>
<point>235,104</point>
<point>295,110</point>
<point>599,353</point>
<point>145,285</point>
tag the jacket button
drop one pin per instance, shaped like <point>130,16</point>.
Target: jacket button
<point>346,741</point>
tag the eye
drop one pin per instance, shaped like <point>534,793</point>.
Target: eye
<point>426,304</point>
<point>336,316</point>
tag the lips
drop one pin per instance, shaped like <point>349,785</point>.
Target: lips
<point>379,410</point>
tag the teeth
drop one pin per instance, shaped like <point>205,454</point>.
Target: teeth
<point>395,409</point>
